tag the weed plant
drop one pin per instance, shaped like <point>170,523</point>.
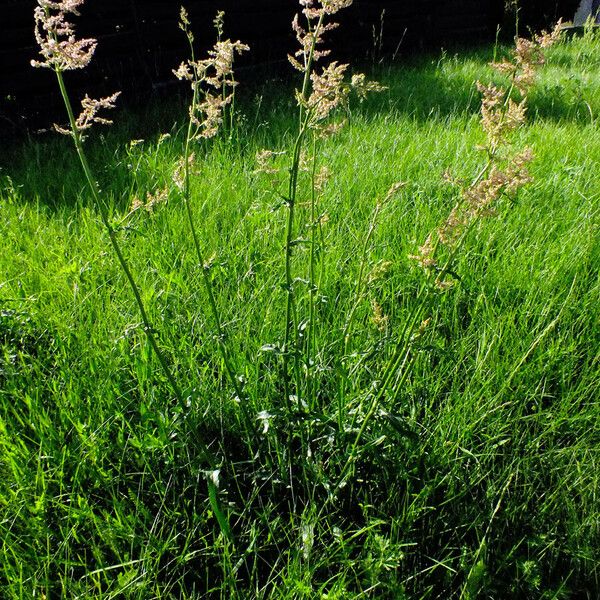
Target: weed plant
<point>314,371</point>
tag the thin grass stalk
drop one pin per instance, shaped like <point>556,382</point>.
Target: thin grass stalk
<point>398,367</point>
<point>358,295</point>
<point>444,270</point>
<point>309,63</point>
<point>148,327</point>
<point>291,312</point>
<point>208,286</point>
<point>358,290</point>
<point>207,283</point>
<point>310,348</point>
<point>291,316</point>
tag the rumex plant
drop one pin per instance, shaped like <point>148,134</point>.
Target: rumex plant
<point>328,398</point>
<point>62,51</point>
<point>323,93</point>
<point>212,81</point>
<point>309,383</point>
<point>213,85</point>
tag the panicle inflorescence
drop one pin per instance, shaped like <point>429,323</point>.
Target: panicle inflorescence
<point>378,317</point>
<point>264,162</point>
<point>329,89</point>
<point>527,57</point>
<point>62,51</point>
<point>152,200</point>
<point>500,116</point>
<point>55,36</point>
<point>183,166</point>
<point>89,115</point>
<point>505,172</point>
<point>211,78</point>
<point>311,39</point>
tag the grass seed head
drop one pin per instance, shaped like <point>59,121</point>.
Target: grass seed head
<point>61,51</point>
<point>311,38</point>
<point>216,71</point>
<point>55,35</point>
<point>363,87</point>
<point>91,108</point>
<point>378,318</point>
<point>328,92</point>
<point>89,115</point>
<point>264,161</point>
<point>425,256</point>
<point>321,178</point>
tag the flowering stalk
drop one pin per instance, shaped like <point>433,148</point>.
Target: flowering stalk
<point>318,98</point>
<point>312,290</point>
<point>61,51</point>
<point>505,172</point>
<point>205,118</point>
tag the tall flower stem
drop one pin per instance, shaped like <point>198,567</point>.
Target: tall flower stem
<point>187,199</point>
<point>291,318</point>
<point>291,315</point>
<point>310,345</point>
<point>93,185</point>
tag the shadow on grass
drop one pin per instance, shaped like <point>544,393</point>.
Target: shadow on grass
<point>45,168</point>
<point>446,86</point>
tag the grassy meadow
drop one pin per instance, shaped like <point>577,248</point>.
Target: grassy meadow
<point>476,474</point>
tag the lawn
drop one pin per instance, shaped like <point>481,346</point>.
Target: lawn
<point>475,475</point>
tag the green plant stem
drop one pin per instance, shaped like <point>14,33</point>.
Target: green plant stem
<point>208,286</point>
<point>358,295</point>
<point>358,291</point>
<point>444,270</point>
<point>148,328</point>
<point>310,347</point>
<point>291,317</point>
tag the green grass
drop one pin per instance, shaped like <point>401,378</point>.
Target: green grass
<point>481,476</point>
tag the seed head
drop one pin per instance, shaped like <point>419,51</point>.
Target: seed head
<point>311,38</point>
<point>363,87</point>
<point>547,39</point>
<point>378,318</point>
<point>55,36</point>
<point>505,173</point>
<point>425,256</point>
<point>216,71</point>
<point>328,91</point>
<point>89,115</point>
<point>321,178</point>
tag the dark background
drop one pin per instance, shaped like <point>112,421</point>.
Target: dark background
<point>140,42</point>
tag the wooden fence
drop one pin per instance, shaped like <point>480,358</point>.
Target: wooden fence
<point>140,42</point>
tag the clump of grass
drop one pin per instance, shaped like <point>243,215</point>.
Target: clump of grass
<point>411,439</point>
